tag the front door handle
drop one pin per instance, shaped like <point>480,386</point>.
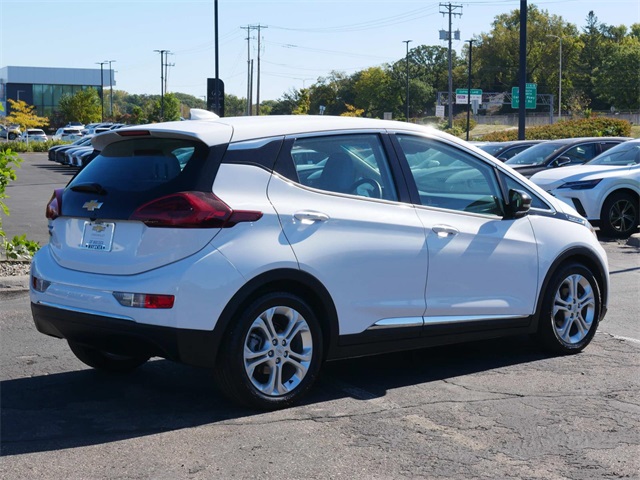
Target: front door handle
<point>445,230</point>
<point>310,216</point>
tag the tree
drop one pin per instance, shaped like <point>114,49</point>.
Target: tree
<point>166,112</point>
<point>617,79</point>
<point>375,93</point>
<point>84,106</point>
<point>24,115</point>
<point>496,54</point>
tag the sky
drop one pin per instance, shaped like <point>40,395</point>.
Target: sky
<point>300,40</point>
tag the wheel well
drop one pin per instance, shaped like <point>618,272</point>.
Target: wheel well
<point>295,282</point>
<point>583,257</point>
<point>627,191</point>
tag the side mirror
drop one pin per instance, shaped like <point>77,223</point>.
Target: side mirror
<point>561,161</point>
<point>519,204</point>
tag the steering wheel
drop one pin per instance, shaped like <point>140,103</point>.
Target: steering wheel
<point>374,192</point>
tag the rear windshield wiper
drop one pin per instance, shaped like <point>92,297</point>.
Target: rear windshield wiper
<point>89,188</point>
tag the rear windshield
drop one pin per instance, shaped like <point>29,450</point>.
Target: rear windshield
<point>139,164</point>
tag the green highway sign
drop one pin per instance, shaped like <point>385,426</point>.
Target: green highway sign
<point>530,92</point>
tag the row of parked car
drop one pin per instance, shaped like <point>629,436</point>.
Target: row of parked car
<point>80,152</point>
<point>600,178</point>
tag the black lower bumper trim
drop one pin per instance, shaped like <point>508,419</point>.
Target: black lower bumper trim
<point>194,347</point>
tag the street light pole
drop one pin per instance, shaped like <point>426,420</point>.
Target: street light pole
<point>110,88</point>
<point>407,104</point>
<point>559,78</point>
<point>102,64</point>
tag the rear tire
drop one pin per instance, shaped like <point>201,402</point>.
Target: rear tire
<point>271,354</point>
<point>105,361</point>
<point>619,215</point>
<point>571,309</point>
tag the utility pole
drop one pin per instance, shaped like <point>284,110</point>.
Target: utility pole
<point>407,56</point>
<point>258,27</point>
<point>450,9</point>
<point>102,64</point>
<point>161,52</point>
<point>248,29</point>
<point>166,69</point>
<point>110,88</point>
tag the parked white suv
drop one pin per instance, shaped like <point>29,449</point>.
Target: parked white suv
<point>264,246</point>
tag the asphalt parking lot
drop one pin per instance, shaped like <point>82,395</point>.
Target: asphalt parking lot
<point>496,409</point>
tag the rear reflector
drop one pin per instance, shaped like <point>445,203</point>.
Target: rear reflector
<point>39,285</point>
<point>192,210</point>
<point>144,300</point>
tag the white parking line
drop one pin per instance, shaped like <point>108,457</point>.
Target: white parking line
<point>620,337</point>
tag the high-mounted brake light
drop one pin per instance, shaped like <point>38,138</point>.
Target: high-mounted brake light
<point>54,207</point>
<point>192,210</point>
<point>133,133</point>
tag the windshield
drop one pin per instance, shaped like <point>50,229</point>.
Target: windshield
<point>535,155</point>
<point>627,153</point>
<point>492,148</point>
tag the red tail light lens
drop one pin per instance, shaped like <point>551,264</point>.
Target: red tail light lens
<point>54,207</point>
<point>191,210</point>
<point>144,300</point>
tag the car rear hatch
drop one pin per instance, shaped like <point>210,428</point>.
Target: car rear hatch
<point>143,202</point>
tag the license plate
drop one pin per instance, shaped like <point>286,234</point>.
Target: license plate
<point>98,236</point>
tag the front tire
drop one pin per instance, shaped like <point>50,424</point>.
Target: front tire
<point>619,216</point>
<point>570,310</point>
<point>271,356</point>
<point>106,361</point>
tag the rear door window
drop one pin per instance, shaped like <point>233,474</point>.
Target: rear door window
<point>349,164</point>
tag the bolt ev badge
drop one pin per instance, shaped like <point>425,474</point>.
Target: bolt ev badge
<point>92,205</point>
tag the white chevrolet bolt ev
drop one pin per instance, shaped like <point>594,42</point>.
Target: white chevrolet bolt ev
<point>264,246</point>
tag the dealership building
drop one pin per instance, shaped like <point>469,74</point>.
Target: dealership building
<point>43,87</point>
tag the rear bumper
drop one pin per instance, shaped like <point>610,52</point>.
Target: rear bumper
<point>194,347</point>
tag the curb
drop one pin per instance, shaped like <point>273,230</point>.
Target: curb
<point>14,284</point>
<point>634,240</point>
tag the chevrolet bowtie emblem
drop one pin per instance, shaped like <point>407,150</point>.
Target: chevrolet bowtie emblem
<point>98,228</point>
<point>92,205</point>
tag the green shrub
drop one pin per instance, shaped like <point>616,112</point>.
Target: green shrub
<point>586,127</point>
<point>23,147</point>
<point>20,248</point>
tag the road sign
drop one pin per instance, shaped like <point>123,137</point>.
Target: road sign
<point>440,111</point>
<point>462,95</point>
<point>530,93</point>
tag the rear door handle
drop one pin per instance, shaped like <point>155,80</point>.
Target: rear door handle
<point>310,216</point>
<point>445,230</point>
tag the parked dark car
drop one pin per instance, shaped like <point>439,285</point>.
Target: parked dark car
<point>505,150</point>
<point>560,153</point>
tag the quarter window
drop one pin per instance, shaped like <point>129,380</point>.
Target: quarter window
<point>349,164</point>
<point>447,177</point>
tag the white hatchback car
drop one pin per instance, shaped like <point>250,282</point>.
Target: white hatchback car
<point>264,246</point>
<point>605,190</point>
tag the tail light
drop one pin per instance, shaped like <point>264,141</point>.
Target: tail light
<point>54,207</point>
<point>144,300</point>
<point>192,210</point>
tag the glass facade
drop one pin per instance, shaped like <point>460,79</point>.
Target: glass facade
<point>47,97</point>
